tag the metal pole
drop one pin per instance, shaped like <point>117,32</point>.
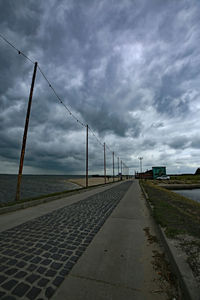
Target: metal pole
<point>140,158</point>
<point>17,197</point>
<point>86,156</point>
<point>104,147</point>
<point>113,167</point>
<point>121,170</point>
<point>118,167</point>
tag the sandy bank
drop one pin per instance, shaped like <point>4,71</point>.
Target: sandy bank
<point>91,181</point>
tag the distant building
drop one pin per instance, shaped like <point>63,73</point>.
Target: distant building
<point>151,174</point>
<point>158,171</point>
<point>197,172</point>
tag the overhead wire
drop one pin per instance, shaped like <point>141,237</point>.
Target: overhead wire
<point>58,97</point>
<point>15,48</point>
<point>54,91</point>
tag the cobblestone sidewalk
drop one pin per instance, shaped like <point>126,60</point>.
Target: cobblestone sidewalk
<point>36,256</point>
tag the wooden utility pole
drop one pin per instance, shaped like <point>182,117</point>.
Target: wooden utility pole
<point>118,167</point>
<point>23,149</point>
<point>104,147</point>
<point>86,156</point>
<point>121,170</point>
<point>113,167</point>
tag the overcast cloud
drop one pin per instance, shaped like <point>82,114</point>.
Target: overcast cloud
<point>129,69</point>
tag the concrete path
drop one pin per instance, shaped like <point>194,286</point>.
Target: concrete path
<point>87,246</point>
<point>118,262</point>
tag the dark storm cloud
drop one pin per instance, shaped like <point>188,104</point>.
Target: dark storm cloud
<point>179,142</point>
<point>119,66</point>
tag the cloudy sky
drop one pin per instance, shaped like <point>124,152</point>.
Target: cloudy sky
<point>130,69</point>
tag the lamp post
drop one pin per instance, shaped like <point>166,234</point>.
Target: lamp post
<point>140,159</point>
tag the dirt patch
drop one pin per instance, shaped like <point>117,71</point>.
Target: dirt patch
<point>191,246</point>
<point>166,280</point>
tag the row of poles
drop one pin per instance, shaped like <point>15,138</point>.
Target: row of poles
<point>17,198</point>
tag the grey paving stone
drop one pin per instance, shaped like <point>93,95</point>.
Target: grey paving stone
<point>43,282</point>
<point>21,289</point>
<point>11,271</point>
<point>49,292</point>
<point>50,273</point>
<point>64,272</point>
<point>8,298</point>
<point>36,260</point>
<point>56,265</point>
<point>8,285</point>
<point>50,245</point>
<point>12,262</point>
<point>2,278</point>
<point>46,262</point>
<point>20,274</point>
<point>32,278</point>
<point>2,294</point>
<point>21,264</point>
<point>33,293</point>
<point>58,280</point>
<point>41,270</point>
<point>31,267</point>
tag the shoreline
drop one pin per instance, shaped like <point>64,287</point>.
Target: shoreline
<point>92,181</point>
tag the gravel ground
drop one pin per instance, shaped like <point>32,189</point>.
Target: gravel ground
<point>191,247</point>
<point>36,256</point>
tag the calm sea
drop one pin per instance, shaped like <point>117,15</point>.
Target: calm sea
<point>192,194</point>
<point>34,185</point>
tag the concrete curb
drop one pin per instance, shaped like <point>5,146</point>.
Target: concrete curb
<point>189,286</point>
<point>27,204</point>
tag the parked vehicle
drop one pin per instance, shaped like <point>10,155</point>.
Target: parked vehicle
<point>163,177</point>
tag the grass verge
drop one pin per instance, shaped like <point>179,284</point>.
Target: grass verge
<point>177,214</point>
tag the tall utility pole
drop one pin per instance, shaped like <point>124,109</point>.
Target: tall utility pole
<point>104,148</point>
<point>140,158</point>
<point>86,157</point>
<point>118,167</point>
<point>113,166</point>
<point>121,170</point>
<point>17,197</point>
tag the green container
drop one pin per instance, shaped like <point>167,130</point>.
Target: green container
<point>158,171</point>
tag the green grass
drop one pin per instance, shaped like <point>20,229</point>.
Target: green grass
<point>174,212</point>
<point>187,178</point>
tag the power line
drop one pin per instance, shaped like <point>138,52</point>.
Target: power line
<point>19,51</point>
<point>54,91</point>
<point>61,101</point>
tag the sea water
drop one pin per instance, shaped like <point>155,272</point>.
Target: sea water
<point>34,185</point>
<point>193,194</point>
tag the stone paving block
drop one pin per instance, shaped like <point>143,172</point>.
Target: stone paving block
<point>2,294</point>
<point>56,265</point>
<point>33,293</point>
<point>49,292</point>
<point>2,278</point>
<point>43,282</point>
<point>20,274</point>
<point>11,271</point>
<point>50,245</point>
<point>58,280</point>
<point>41,270</point>
<point>8,298</point>
<point>50,273</point>
<point>32,278</point>
<point>31,267</point>
<point>8,285</point>
<point>21,289</point>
